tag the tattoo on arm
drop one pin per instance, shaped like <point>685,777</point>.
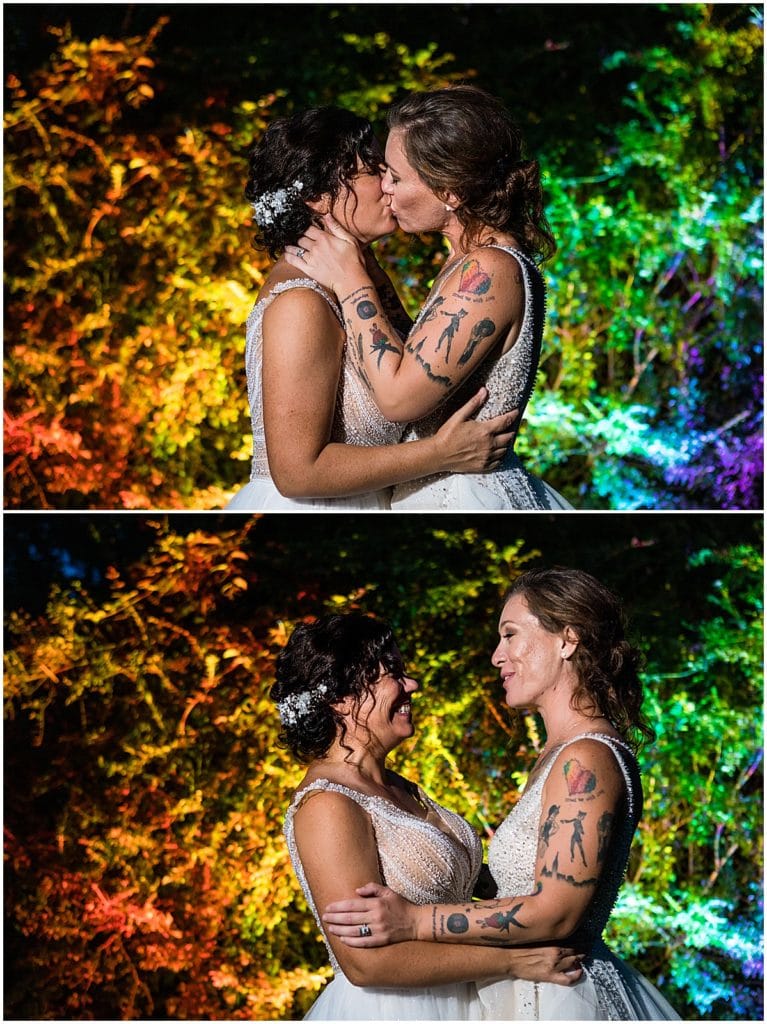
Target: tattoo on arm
<point>382,344</point>
<point>358,291</point>
<point>474,280</point>
<point>576,839</point>
<point>554,872</point>
<point>458,924</point>
<point>579,780</point>
<point>604,834</point>
<point>503,921</point>
<point>454,320</point>
<point>548,828</point>
<point>481,330</point>
<point>366,309</point>
<point>432,312</point>
<point>390,301</point>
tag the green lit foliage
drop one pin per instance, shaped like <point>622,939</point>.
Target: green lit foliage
<point>146,871</point>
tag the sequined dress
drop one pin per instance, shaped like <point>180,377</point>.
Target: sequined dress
<point>357,420</point>
<point>609,989</point>
<point>436,860</point>
<point>510,380</point>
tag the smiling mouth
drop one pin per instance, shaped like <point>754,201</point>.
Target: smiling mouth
<point>404,710</point>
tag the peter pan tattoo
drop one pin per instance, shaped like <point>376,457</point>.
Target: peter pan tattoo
<point>454,320</point>
<point>576,840</point>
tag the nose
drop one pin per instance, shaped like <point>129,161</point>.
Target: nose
<point>409,684</point>
<point>498,657</point>
<point>386,183</point>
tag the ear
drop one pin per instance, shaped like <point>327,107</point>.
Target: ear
<point>570,642</point>
<point>451,201</point>
<point>320,206</point>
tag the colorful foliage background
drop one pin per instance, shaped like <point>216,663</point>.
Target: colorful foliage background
<point>146,873</point>
<point>129,271</point>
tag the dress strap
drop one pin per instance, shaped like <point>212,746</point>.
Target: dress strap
<point>302,282</point>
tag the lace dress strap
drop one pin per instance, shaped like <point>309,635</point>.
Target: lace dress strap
<point>300,282</point>
<point>624,759</point>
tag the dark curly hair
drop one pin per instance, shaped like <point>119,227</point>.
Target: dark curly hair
<point>606,663</point>
<point>318,147</point>
<point>460,139</point>
<point>345,654</point>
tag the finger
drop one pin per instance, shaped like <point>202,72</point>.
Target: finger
<point>298,252</point>
<point>504,421</point>
<point>332,225</point>
<point>370,889</point>
<point>468,409</point>
<point>347,907</point>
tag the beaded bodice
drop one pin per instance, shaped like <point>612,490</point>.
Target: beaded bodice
<point>357,420</point>
<point>513,848</point>
<point>436,860</point>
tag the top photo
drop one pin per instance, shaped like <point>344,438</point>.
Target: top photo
<point>383,257</point>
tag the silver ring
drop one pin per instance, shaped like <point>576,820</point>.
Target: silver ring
<point>365,931</point>
<point>301,253</point>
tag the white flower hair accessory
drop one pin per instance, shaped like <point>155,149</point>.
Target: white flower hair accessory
<point>268,207</point>
<point>299,705</point>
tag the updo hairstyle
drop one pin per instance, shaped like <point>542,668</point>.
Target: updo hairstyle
<point>318,148</point>
<point>605,662</point>
<point>461,139</point>
<point>343,653</point>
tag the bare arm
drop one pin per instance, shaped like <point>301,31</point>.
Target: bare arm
<point>481,299</point>
<point>387,293</point>
<point>581,798</point>
<point>302,353</point>
<point>338,851</point>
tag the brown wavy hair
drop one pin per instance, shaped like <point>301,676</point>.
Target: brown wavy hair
<point>460,139</point>
<point>606,663</point>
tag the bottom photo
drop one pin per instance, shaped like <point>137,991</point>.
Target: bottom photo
<point>406,767</point>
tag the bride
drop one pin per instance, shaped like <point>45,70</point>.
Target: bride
<point>454,165</point>
<point>318,438</point>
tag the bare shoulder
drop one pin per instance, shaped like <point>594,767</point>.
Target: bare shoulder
<point>487,275</point>
<point>585,770</point>
<point>302,310</point>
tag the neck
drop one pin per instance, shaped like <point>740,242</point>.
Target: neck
<point>358,760</point>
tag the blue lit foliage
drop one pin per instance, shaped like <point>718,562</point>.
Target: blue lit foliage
<point>655,382</point>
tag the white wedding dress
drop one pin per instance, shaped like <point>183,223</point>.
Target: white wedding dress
<point>436,860</point>
<point>609,989</point>
<point>357,421</point>
<point>510,380</point>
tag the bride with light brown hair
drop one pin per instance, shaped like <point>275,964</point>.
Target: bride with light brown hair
<point>454,165</point>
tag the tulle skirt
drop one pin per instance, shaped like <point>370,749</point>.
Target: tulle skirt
<point>509,488</point>
<point>609,990</point>
<point>343,1001</point>
<point>260,494</point>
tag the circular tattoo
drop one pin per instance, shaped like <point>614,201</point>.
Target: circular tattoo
<point>457,924</point>
<point>366,309</point>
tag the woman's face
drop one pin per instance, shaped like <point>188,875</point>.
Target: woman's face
<point>386,713</point>
<point>362,208</point>
<point>533,663</point>
<point>413,204</point>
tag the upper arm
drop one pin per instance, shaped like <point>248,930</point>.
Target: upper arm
<point>481,300</point>
<point>583,796</point>
<point>338,851</point>
<point>302,352</point>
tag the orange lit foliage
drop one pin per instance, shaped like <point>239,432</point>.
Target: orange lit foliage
<point>164,889</point>
<point>129,278</point>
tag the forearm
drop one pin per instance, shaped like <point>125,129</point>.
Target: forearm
<point>515,921</point>
<point>414,964</point>
<point>341,470</point>
<point>390,300</point>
